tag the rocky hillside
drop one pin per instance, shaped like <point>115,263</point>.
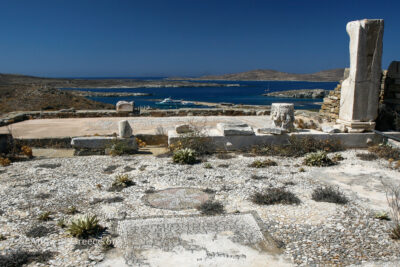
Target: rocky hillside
<point>29,98</point>
<point>333,75</point>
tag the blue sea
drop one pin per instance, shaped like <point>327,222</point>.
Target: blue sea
<point>248,93</point>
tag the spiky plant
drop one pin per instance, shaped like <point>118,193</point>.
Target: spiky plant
<point>84,226</point>
<point>184,156</point>
<point>319,159</point>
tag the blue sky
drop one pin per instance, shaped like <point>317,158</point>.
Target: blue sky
<point>68,38</point>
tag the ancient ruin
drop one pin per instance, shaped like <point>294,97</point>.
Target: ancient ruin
<point>283,116</point>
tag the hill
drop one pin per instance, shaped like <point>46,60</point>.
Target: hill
<point>333,75</point>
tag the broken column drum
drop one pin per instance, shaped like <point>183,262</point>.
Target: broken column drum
<point>282,115</point>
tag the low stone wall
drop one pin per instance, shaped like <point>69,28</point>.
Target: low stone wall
<point>15,117</point>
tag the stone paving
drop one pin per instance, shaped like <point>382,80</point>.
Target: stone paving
<point>225,240</point>
<point>177,198</point>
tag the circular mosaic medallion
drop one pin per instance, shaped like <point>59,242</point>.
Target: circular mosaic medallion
<point>177,198</point>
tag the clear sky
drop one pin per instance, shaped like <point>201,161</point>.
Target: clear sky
<point>80,38</point>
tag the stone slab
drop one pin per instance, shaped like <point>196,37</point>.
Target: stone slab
<point>273,130</point>
<point>177,198</point>
<point>233,129</point>
<point>225,240</point>
<point>100,142</point>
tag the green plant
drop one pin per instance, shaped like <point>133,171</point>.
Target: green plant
<point>329,194</point>
<point>184,156</point>
<point>84,226</point>
<point>298,147</point>
<point>272,196</point>
<point>319,159</point>
<point>211,208</point>
<point>302,169</point>
<point>384,216</point>
<point>44,216</point>
<point>120,147</point>
<point>366,156</point>
<point>385,151</point>
<point>2,237</point>
<point>263,164</point>
<point>207,165</point>
<point>122,181</point>
<point>196,140</point>
<point>225,156</point>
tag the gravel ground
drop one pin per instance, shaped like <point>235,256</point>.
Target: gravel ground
<point>312,233</point>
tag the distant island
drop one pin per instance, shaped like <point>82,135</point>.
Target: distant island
<point>333,75</point>
<point>301,93</point>
<point>13,79</point>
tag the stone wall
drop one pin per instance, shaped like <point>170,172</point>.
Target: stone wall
<point>389,108</point>
<point>330,106</point>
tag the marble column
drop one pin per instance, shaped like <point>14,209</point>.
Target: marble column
<point>360,91</point>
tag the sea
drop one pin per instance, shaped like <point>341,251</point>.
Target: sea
<point>245,92</point>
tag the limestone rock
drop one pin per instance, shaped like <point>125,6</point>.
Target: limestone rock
<point>184,128</point>
<point>283,116</point>
<point>124,129</point>
<point>360,91</point>
<point>233,129</point>
<point>124,106</point>
<point>270,131</point>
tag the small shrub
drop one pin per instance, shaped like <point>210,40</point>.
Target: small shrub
<point>184,156</point>
<point>211,208</point>
<point>263,164</point>
<point>302,169</point>
<point>207,166</point>
<point>329,194</point>
<point>366,156</point>
<point>298,147</point>
<point>196,140</point>
<point>44,216</point>
<point>84,227</point>
<point>5,162</point>
<point>27,151</point>
<point>383,216</point>
<point>2,237</point>
<point>319,159</point>
<point>271,196</point>
<point>385,151</point>
<point>121,181</point>
<point>120,147</point>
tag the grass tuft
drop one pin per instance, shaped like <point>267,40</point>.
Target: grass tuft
<point>329,194</point>
<point>211,208</point>
<point>271,196</point>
